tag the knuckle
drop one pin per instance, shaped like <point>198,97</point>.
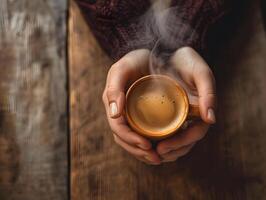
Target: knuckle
<point>121,63</point>
<point>210,95</point>
<point>199,136</point>
<point>186,49</point>
<point>110,91</point>
<point>113,129</point>
<point>138,141</point>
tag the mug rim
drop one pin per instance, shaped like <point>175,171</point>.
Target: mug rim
<point>165,133</point>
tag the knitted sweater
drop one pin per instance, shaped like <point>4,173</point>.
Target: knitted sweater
<point>124,25</point>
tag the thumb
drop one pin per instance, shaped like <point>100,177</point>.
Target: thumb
<point>205,83</point>
<point>116,100</point>
<point>193,69</point>
<point>127,68</point>
<point>117,79</point>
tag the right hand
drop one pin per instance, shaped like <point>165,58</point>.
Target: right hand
<point>124,72</point>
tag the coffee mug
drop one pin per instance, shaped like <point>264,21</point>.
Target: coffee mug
<point>157,106</point>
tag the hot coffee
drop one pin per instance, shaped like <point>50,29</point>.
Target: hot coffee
<point>156,106</point>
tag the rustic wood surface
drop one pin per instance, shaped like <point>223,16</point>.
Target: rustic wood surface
<point>33,100</point>
<point>229,164</point>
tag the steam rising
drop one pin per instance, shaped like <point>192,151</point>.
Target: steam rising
<point>163,32</point>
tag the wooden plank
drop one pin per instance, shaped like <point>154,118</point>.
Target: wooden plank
<point>229,164</point>
<point>33,100</point>
<point>242,118</point>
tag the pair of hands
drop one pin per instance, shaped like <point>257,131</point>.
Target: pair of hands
<point>198,80</point>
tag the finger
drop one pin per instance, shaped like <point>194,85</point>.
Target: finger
<point>121,129</point>
<point>150,155</point>
<point>119,75</point>
<point>175,154</point>
<point>193,134</point>
<point>144,160</point>
<point>196,72</point>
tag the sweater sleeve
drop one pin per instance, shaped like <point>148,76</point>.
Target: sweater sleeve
<point>193,18</point>
<point>122,26</point>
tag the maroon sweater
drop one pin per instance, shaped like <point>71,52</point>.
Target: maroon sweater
<point>122,25</point>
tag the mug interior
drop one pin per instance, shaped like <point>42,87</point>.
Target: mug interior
<point>156,106</point>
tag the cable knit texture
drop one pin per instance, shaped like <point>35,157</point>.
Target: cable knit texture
<point>118,24</point>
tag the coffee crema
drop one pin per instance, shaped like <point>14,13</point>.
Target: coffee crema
<point>156,106</point>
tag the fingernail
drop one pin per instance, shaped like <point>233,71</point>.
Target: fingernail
<point>211,115</point>
<point>113,109</point>
<point>148,158</point>
<point>151,161</point>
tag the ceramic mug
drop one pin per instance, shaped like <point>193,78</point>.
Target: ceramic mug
<point>157,106</point>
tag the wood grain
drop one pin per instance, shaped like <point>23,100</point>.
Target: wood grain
<point>33,100</point>
<point>229,164</point>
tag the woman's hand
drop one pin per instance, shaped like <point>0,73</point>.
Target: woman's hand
<point>198,80</point>
<point>124,72</point>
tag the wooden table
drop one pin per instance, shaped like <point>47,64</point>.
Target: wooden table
<point>55,143</point>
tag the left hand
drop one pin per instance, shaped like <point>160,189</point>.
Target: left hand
<point>124,72</point>
<point>199,82</point>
